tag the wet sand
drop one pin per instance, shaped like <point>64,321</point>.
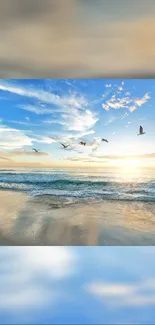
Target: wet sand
<point>46,220</point>
<point>11,203</point>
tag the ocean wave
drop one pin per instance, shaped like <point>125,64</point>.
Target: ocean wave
<point>73,182</point>
<point>67,200</point>
<point>65,185</point>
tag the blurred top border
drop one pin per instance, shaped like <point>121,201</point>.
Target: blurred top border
<point>77,39</point>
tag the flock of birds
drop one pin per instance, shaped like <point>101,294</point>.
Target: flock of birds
<point>141,132</point>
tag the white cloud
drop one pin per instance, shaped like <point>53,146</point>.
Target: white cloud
<point>37,94</point>
<point>104,289</point>
<point>39,110</point>
<point>95,144</point>
<point>23,123</point>
<point>82,134</point>
<point>21,288</point>
<point>108,86</point>
<point>28,153</point>
<point>124,116</point>
<point>75,115</point>
<point>76,137</point>
<point>48,140</point>
<point>79,121</point>
<point>121,295</point>
<point>116,103</point>
<point>71,139</point>
<point>28,297</point>
<point>125,101</point>
<point>47,97</point>
<point>54,261</point>
<point>52,121</point>
<point>13,138</point>
<point>143,100</point>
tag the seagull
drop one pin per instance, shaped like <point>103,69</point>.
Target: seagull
<point>65,145</point>
<point>35,150</point>
<point>83,143</point>
<point>105,140</point>
<point>141,132</point>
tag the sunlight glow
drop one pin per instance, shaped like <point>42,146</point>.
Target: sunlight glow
<point>128,163</point>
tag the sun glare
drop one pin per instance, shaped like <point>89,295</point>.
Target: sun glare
<point>131,163</point>
<point>129,168</point>
<point>127,163</point>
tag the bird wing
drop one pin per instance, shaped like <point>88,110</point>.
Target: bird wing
<point>63,145</point>
<point>141,129</point>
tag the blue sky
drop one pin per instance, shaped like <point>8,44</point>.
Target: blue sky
<point>83,285</point>
<point>43,113</point>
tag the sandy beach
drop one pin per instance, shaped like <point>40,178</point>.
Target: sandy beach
<point>43,220</point>
<point>11,204</point>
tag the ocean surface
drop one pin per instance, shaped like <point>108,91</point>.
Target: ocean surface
<point>77,207</point>
<point>73,184</point>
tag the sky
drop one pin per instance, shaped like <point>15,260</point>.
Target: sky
<point>77,285</point>
<point>77,38</point>
<point>42,114</point>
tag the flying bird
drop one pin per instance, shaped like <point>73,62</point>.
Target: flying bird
<point>141,132</point>
<point>105,140</point>
<point>83,143</point>
<point>35,150</point>
<point>65,145</point>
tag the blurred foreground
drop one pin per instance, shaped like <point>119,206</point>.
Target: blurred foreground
<point>62,285</point>
<point>51,220</point>
<point>74,38</point>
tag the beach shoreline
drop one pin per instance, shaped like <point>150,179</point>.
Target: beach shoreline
<point>44,220</point>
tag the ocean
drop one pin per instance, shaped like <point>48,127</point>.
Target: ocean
<point>77,207</point>
<point>95,184</point>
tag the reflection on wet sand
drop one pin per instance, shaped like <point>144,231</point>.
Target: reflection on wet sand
<point>11,204</point>
<point>47,220</point>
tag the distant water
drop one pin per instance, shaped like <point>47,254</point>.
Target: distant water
<point>109,184</point>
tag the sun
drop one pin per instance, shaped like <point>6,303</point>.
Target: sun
<point>129,168</point>
<point>128,163</point>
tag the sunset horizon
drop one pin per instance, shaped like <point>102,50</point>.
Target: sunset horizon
<point>77,161</point>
